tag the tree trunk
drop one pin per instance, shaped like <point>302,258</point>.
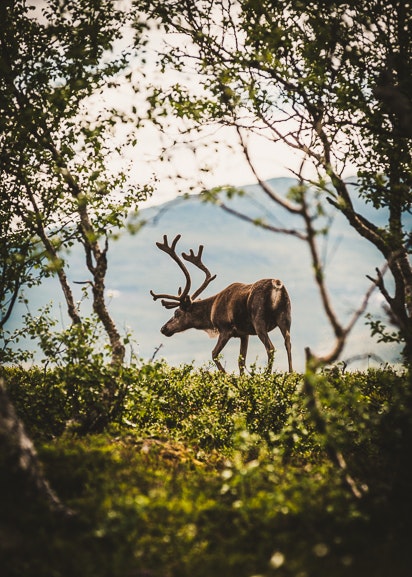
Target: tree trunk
<point>99,306</point>
<point>20,461</point>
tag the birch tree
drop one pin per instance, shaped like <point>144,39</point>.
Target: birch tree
<point>58,145</point>
<point>332,81</point>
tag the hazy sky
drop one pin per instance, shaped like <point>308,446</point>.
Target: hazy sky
<point>225,166</point>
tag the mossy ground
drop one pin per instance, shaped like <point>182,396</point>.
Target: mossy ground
<point>202,474</point>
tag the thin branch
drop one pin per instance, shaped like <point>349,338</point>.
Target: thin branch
<point>264,185</point>
<point>318,270</point>
<point>340,342</point>
<point>71,307</point>
<point>261,224</point>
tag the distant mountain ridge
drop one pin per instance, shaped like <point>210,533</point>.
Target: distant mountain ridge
<point>236,251</point>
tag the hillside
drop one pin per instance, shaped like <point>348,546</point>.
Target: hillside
<point>235,251</point>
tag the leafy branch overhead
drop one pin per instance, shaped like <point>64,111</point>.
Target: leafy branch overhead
<point>331,81</point>
<point>58,187</point>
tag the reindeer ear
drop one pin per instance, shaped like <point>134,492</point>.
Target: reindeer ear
<point>185,303</point>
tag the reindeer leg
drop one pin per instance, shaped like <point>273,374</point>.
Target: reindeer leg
<point>289,350</point>
<point>244,341</point>
<point>270,349</point>
<point>286,335</point>
<point>221,342</point>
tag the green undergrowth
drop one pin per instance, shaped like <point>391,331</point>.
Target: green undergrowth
<point>201,474</point>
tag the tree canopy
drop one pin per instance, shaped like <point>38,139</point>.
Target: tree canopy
<point>331,80</point>
<point>59,180</point>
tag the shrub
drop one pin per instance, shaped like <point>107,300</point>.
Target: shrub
<point>199,473</point>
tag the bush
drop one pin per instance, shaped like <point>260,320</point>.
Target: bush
<point>199,473</point>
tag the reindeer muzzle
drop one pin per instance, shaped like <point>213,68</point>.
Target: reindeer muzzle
<point>166,331</point>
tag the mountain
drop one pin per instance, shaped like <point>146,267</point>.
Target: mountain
<point>235,251</point>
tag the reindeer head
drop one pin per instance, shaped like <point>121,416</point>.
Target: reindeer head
<point>182,319</point>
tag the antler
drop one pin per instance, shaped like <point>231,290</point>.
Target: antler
<point>197,261</point>
<point>193,258</point>
<point>171,251</point>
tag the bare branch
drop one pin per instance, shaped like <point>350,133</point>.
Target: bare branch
<point>261,224</point>
<point>264,185</point>
<point>340,342</point>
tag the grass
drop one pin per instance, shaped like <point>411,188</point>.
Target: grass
<point>202,474</point>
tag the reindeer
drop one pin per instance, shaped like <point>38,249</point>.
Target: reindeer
<point>239,310</point>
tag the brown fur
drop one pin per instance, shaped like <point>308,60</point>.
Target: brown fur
<point>239,310</point>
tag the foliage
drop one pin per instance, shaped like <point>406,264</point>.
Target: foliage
<point>379,328</point>
<point>92,386</point>
<point>331,80</point>
<point>202,473</point>
<point>60,145</point>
